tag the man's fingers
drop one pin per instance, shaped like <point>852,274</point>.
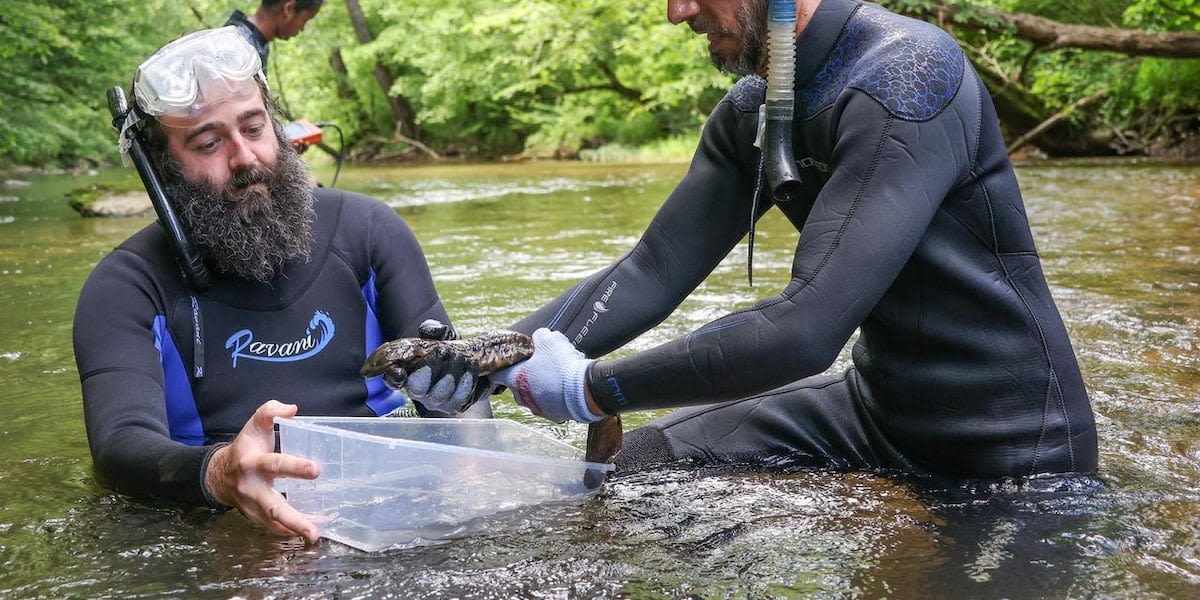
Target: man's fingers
<point>264,416</point>
<point>291,522</point>
<point>271,510</point>
<point>274,465</point>
<point>264,505</point>
<point>443,389</point>
<point>419,382</point>
<point>462,393</point>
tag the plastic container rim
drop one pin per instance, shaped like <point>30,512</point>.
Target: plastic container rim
<point>315,423</point>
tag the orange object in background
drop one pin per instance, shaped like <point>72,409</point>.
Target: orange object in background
<point>302,131</point>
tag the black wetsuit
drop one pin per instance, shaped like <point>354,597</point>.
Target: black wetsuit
<point>154,413</point>
<point>912,232</point>
<point>252,34</point>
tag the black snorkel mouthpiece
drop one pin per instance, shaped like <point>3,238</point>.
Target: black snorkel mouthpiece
<point>783,178</point>
<point>778,175</point>
<point>190,260</point>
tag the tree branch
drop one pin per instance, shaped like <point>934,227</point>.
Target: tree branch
<point>1053,35</point>
<point>618,87</point>
<point>415,144</point>
<point>1041,128</point>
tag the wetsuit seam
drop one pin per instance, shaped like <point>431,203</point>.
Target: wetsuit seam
<point>106,370</point>
<point>973,172</point>
<point>566,304</point>
<point>858,196</point>
<point>1037,450</point>
<point>982,240</point>
<point>837,240</point>
<point>1062,403</point>
<point>718,406</point>
<point>1008,279</point>
<point>1041,338</point>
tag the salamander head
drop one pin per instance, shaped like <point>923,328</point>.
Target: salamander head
<point>403,353</point>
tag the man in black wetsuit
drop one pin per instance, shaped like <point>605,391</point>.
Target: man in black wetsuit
<point>274,19</point>
<point>180,387</point>
<point>912,233</point>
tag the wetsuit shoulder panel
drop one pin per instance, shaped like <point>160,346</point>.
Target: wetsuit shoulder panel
<point>910,67</point>
<point>748,93</point>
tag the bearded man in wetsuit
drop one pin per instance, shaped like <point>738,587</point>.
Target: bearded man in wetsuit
<point>912,233</point>
<point>180,384</point>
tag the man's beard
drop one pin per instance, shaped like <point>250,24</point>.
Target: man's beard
<point>751,52</point>
<point>247,231</point>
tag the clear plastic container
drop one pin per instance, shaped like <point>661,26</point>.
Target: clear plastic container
<point>393,483</point>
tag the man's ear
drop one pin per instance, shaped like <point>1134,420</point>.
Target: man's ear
<point>289,9</point>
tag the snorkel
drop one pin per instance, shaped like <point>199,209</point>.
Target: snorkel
<point>191,263</point>
<point>783,179</point>
<point>778,163</point>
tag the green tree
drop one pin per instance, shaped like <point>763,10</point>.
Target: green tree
<point>57,59</point>
<point>493,77</point>
<point>485,78</point>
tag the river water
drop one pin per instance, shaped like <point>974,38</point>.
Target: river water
<point>1121,246</point>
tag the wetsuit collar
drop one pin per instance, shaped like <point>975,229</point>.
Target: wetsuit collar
<point>297,276</point>
<point>241,19</point>
<point>817,39</point>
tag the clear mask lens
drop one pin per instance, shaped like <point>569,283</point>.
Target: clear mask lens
<point>196,71</point>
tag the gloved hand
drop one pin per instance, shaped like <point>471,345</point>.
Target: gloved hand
<point>550,384</point>
<point>445,382</point>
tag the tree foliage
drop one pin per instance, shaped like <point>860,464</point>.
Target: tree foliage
<point>57,59</point>
<point>486,78</point>
<point>490,77</point>
<point>1147,104</point>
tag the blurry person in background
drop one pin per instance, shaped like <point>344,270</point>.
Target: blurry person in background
<point>274,19</point>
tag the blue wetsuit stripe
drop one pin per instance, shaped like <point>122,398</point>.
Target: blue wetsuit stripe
<point>554,322</point>
<point>183,418</point>
<point>380,398</point>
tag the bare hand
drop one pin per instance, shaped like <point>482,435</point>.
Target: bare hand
<point>242,475</point>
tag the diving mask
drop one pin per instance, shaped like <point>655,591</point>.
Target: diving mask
<point>195,72</point>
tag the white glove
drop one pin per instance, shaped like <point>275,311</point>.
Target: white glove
<point>550,384</point>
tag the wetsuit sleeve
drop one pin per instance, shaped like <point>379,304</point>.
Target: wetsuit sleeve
<point>701,220</point>
<point>121,374</point>
<point>888,176</point>
<point>405,288</point>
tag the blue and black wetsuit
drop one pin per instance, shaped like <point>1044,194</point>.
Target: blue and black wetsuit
<point>912,232</point>
<point>155,411</point>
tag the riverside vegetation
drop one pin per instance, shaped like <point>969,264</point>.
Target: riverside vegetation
<point>504,79</point>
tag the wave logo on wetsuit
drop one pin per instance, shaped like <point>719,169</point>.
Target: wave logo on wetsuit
<point>316,337</point>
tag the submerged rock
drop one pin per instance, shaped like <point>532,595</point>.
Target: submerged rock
<point>98,200</point>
